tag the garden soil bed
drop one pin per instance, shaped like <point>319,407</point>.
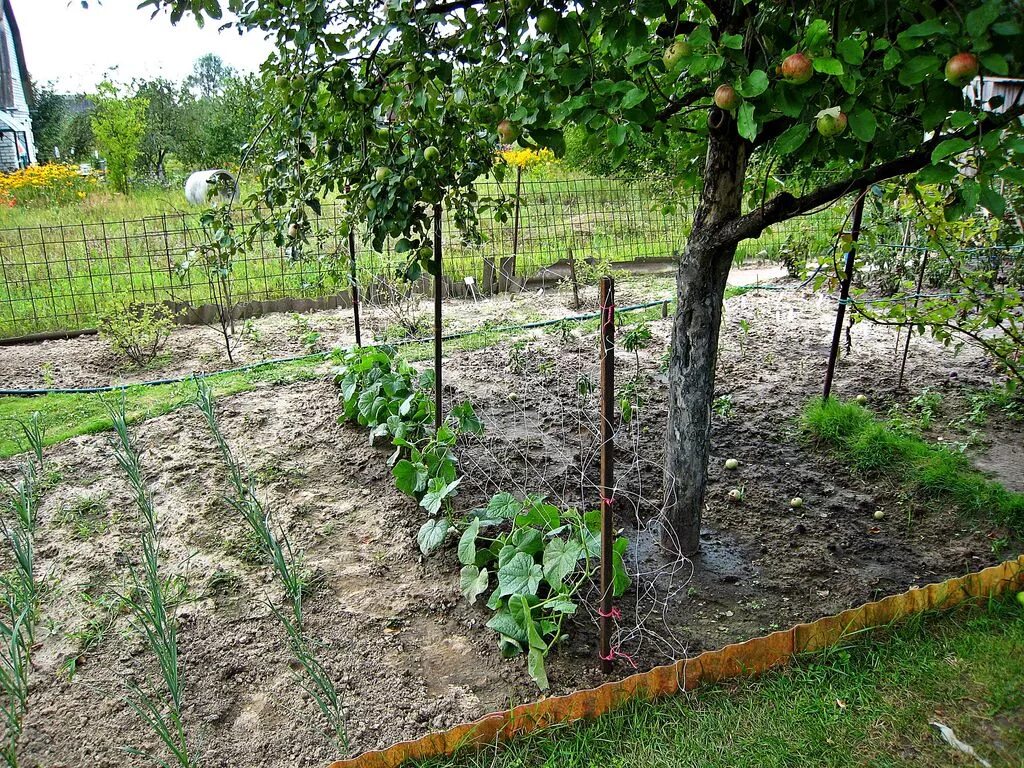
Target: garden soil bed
<point>390,626</point>
<point>87,361</point>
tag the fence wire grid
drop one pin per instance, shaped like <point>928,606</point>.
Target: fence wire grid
<point>65,277</point>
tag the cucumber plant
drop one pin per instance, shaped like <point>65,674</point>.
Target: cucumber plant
<point>534,559</point>
<point>394,400</point>
<point>531,558</point>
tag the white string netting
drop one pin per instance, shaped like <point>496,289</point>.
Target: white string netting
<point>539,399</point>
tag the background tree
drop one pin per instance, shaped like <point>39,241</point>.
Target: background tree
<point>209,76</point>
<point>119,125</point>
<point>855,87</point>
<point>224,125</point>
<point>49,114</point>
<point>170,122</point>
<point>77,139</point>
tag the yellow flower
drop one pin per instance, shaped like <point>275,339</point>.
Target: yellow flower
<point>526,158</point>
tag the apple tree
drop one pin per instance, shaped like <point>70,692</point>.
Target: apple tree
<point>872,90</point>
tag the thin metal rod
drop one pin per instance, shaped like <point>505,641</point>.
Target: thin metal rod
<point>917,299</point>
<point>355,284</point>
<point>844,292</point>
<point>607,466</point>
<point>438,342</point>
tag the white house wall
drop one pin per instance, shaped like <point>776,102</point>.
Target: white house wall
<point>8,156</point>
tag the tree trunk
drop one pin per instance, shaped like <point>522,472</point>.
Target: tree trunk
<point>700,290</point>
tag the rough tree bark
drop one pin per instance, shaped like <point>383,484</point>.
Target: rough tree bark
<point>700,289</point>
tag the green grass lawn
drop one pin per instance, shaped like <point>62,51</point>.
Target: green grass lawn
<point>865,704</point>
<point>64,416</point>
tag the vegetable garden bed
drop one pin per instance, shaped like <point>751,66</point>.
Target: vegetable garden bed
<point>403,648</point>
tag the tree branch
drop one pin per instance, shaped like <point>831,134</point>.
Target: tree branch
<point>786,206</point>
<point>677,105</point>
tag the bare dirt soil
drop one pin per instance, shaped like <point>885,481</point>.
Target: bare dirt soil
<point>88,361</point>
<point>391,627</point>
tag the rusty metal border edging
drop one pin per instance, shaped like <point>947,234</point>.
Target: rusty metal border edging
<point>748,658</point>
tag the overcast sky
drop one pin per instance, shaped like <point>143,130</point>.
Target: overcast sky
<point>75,48</point>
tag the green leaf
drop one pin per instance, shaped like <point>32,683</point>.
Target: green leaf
<point>745,123</point>
<point>851,51</point>
<point>503,506</point>
<point>522,609</point>
<point>535,666</point>
<point>431,534</point>
<point>792,138</point>
<point>617,134</point>
<point>540,515</point>
<point>561,604</point>
<point>949,147</point>
<point>701,36</point>
<point>519,576</point>
<point>828,66</point>
<point>473,582</point>
<point>560,559</point>
<point>918,68</point>
<point>467,543</point>
<point>437,491</point>
<point>410,478</point>
<point>632,98</point>
<point>466,418</point>
<point>863,124</point>
<point>981,18</point>
<point>528,540</point>
<point>891,59</point>
<point>504,624</point>
<point>735,42</point>
<point>992,201</point>
<point>817,34</point>
<point>940,173</point>
<point>911,37</point>
<point>995,63</point>
<point>753,84</point>
<point>620,578</point>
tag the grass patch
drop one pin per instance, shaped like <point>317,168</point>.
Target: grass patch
<point>64,416</point>
<point>887,448</point>
<point>866,704</point>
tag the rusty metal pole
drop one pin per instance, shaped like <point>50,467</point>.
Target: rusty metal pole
<point>438,287</point>
<point>607,466</point>
<point>355,284</point>
<point>844,292</point>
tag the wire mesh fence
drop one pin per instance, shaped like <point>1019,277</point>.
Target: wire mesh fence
<point>65,277</point>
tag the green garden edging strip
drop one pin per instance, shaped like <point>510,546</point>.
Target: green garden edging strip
<point>741,659</point>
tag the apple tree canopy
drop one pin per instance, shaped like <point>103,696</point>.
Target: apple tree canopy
<point>358,89</point>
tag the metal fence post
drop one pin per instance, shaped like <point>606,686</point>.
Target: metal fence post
<point>844,292</point>
<point>607,467</point>
<point>438,288</point>
<point>355,283</point>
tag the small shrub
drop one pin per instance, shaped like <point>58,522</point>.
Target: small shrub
<point>137,332</point>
